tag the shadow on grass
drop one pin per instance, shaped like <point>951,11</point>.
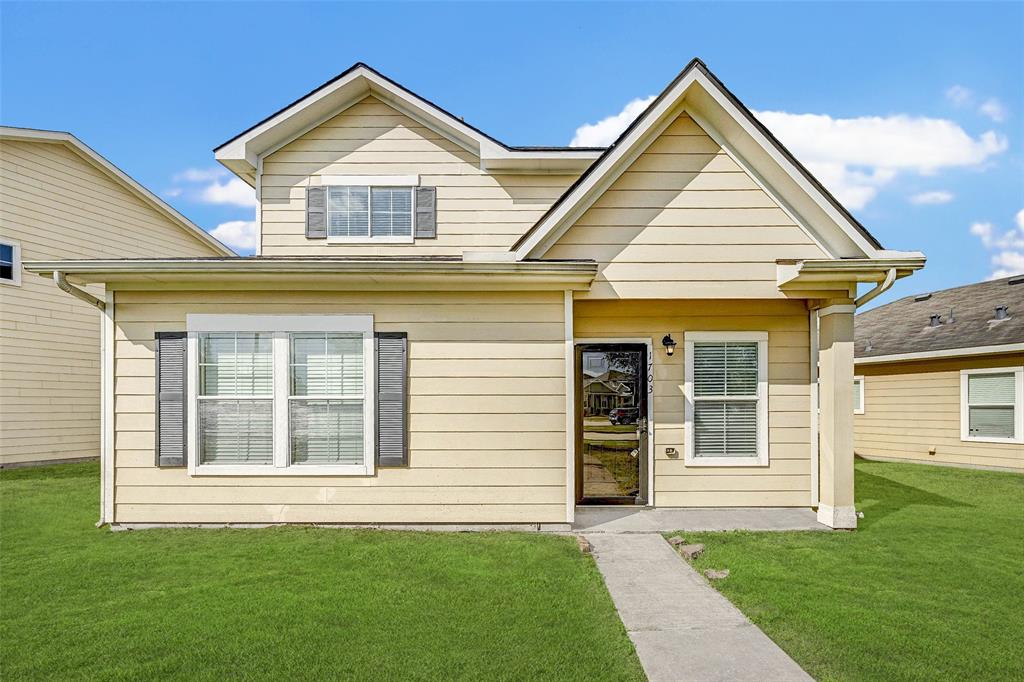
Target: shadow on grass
<point>884,496</point>
<point>51,471</point>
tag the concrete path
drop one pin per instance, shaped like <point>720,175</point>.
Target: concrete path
<point>683,629</point>
<point>644,520</point>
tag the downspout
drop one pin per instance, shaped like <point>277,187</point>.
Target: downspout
<point>62,283</point>
<point>879,289</point>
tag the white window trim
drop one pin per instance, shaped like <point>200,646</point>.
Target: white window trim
<point>1018,406</point>
<point>281,326</point>
<point>15,280</point>
<point>689,338</point>
<point>371,181</point>
<point>859,408</point>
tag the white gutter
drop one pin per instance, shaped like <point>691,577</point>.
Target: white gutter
<point>62,283</point>
<point>879,289</point>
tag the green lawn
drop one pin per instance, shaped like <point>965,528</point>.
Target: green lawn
<point>931,586</point>
<point>78,602</point>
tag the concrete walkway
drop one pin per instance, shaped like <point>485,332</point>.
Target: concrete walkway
<point>644,520</point>
<point>683,629</point>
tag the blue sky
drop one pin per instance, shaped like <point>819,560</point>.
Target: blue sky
<point>918,108</point>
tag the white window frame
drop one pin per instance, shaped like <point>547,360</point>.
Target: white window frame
<point>371,181</point>
<point>1018,406</point>
<point>859,407</point>
<point>281,326</point>
<point>689,339</point>
<point>15,280</point>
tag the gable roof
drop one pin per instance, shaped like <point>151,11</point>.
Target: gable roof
<point>903,326</point>
<point>241,153</point>
<point>742,130</point>
<point>93,157</point>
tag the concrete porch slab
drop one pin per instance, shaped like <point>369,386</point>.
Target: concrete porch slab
<point>646,520</point>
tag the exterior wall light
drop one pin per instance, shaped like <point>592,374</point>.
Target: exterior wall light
<point>669,343</point>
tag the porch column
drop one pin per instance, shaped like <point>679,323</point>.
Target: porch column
<point>835,361</point>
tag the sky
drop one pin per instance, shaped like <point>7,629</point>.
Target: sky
<point>911,113</point>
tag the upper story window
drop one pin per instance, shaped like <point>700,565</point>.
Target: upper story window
<point>10,263</point>
<point>373,212</point>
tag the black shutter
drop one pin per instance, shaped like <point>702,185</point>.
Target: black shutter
<point>392,350</point>
<point>316,213</point>
<point>170,399</point>
<point>426,213</point>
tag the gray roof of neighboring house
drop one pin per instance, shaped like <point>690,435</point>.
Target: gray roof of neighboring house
<point>904,326</point>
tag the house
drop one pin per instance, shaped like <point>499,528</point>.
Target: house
<point>940,377</point>
<point>59,199</point>
<point>406,348</point>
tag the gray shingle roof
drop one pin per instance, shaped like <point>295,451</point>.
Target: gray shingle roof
<point>904,326</point>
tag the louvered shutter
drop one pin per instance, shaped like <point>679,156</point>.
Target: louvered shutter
<point>392,398</point>
<point>426,213</point>
<point>170,404</point>
<point>316,213</point>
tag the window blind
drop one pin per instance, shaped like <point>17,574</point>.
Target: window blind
<point>991,399</point>
<point>392,212</point>
<point>725,388</point>
<point>348,211</point>
<point>326,406</point>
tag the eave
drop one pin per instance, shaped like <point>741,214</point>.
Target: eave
<point>945,353</point>
<point>322,273</point>
<point>825,273</point>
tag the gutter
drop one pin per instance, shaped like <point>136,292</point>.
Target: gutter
<point>880,288</point>
<point>62,283</point>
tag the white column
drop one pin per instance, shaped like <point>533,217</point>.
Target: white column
<point>835,506</point>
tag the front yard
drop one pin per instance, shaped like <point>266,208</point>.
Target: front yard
<point>288,603</point>
<point>931,586</point>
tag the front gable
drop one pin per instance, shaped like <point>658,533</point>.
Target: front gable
<point>685,215</point>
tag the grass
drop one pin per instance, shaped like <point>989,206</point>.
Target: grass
<point>288,603</point>
<point>931,585</point>
<point>610,428</point>
<point>617,459</point>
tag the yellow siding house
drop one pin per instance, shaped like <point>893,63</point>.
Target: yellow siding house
<point>59,199</point>
<point>440,328</point>
<point>940,378</point>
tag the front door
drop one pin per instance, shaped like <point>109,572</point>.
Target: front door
<point>611,424</point>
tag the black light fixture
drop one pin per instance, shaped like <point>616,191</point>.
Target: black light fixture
<point>669,343</point>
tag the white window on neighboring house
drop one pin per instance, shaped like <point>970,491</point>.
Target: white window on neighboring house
<point>281,394</point>
<point>858,395</point>
<point>992,405</point>
<point>10,262</point>
<point>726,391</point>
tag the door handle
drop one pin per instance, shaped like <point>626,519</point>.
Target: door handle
<point>641,425</point>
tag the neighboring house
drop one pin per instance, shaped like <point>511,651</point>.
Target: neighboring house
<point>407,346</point>
<point>59,199</point>
<point>940,377</point>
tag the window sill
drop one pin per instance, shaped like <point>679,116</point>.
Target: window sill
<point>990,439</point>
<point>270,470</point>
<point>370,240</point>
<point>692,461</point>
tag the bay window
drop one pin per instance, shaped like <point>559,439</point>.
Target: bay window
<point>281,394</point>
<point>726,392</point>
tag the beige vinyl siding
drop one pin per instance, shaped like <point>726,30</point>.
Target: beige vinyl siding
<point>910,407</point>
<point>786,480</point>
<point>475,210</point>
<point>685,220</point>
<point>486,400</point>
<point>57,205</point>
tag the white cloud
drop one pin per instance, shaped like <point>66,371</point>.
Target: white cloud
<point>855,157</point>
<point>200,174</point>
<point>994,109</point>
<point>959,95</point>
<point>1008,246</point>
<point>605,131</point>
<point>234,192</point>
<point>240,235</point>
<point>934,197</point>
<point>212,186</point>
